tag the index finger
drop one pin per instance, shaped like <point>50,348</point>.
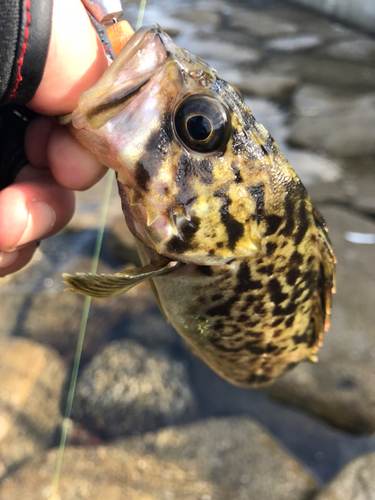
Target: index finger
<point>75,60</point>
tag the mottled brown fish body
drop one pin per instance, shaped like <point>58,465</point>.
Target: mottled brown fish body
<point>252,319</point>
<point>204,185</point>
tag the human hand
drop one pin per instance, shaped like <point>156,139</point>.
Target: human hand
<point>40,202</point>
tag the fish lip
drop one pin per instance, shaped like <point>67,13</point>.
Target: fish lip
<point>141,58</point>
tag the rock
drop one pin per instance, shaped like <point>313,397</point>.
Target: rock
<point>356,188</point>
<point>358,49</point>
<point>300,17</point>
<point>320,70</point>
<point>313,100</point>
<point>198,17</point>
<point>355,482</point>
<point>172,31</point>
<point>43,315</point>
<point>215,51</point>
<point>310,167</point>
<point>326,29</point>
<point>235,455</point>
<point>261,23</point>
<point>120,243</point>
<point>260,84</point>
<point>127,389</point>
<point>292,44</point>
<point>31,380</point>
<point>89,205</point>
<point>209,460</point>
<point>319,447</point>
<point>105,472</point>
<point>347,130</point>
<point>236,37</point>
<point>38,308</point>
<point>340,388</point>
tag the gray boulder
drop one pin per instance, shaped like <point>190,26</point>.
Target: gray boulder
<point>127,388</point>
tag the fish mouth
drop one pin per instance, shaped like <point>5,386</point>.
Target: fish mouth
<point>143,56</point>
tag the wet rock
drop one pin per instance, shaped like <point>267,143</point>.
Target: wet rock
<point>313,100</point>
<point>260,84</point>
<point>346,129</point>
<point>127,389</point>
<point>310,167</point>
<point>326,29</point>
<point>292,44</point>
<point>198,17</point>
<point>321,70</point>
<point>322,449</point>
<point>261,23</point>
<point>356,188</point>
<point>301,17</point>
<point>267,85</point>
<point>356,50</point>
<point>109,472</point>
<point>172,31</point>
<point>31,379</point>
<point>341,387</point>
<point>235,455</point>
<point>38,308</point>
<point>89,205</point>
<point>355,482</point>
<point>52,316</point>
<point>120,242</point>
<point>76,435</point>
<point>222,52</point>
<point>330,192</point>
<point>209,460</point>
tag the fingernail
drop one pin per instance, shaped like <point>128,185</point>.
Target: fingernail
<point>40,222</point>
<point>7,258</point>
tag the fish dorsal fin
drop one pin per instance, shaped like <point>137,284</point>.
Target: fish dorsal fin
<point>329,265</point>
<point>110,285</point>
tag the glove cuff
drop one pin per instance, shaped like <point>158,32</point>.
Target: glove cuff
<point>27,27</point>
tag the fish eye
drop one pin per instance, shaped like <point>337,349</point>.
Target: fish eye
<point>202,124</point>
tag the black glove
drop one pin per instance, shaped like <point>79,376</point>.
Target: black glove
<point>25,30</point>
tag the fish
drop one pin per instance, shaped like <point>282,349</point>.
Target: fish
<point>239,261</point>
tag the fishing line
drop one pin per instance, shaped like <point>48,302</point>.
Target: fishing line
<point>85,313</point>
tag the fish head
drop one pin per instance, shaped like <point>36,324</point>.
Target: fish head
<point>194,168</point>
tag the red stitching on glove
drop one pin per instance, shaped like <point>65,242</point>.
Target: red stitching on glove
<point>24,47</point>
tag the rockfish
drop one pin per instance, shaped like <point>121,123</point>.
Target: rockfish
<point>238,259</point>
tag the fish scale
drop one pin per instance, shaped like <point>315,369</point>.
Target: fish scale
<point>238,259</point>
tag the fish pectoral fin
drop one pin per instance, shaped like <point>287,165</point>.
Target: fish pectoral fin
<point>110,285</point>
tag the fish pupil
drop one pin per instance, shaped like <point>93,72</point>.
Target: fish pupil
<point>199,127</point>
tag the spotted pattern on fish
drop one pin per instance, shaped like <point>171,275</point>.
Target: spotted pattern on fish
<point>252,295</point>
